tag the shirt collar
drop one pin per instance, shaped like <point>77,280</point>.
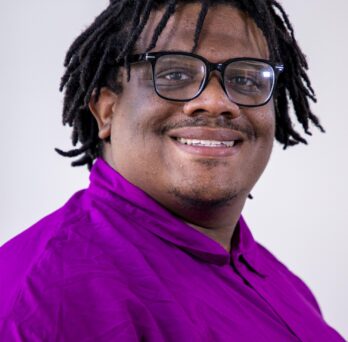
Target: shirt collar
<point>108,185</point>
<point>245,248</point>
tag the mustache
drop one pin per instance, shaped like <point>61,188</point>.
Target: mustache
<point>211,123</point>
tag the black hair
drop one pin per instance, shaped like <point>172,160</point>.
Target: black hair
<point>90,65</point>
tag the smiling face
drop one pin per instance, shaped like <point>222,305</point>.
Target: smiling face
<point>203,154</point>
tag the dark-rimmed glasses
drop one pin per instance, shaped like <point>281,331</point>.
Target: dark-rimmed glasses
<point>182,76</point>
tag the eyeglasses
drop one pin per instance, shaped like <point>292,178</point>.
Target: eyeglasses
<point>182,76</point>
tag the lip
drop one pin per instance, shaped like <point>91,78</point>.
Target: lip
<point>205,133</point>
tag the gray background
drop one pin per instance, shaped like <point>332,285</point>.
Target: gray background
<point>300,208</point>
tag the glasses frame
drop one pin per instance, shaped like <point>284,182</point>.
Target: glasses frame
<point>152,57</point>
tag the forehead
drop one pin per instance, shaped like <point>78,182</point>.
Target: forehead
<point>226,31</point>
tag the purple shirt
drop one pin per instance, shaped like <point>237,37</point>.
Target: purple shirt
<point>113,265</point>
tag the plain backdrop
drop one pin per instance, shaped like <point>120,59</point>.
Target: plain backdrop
<point>299,210</point>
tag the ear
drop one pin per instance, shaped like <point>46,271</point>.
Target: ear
<point>102,110</point>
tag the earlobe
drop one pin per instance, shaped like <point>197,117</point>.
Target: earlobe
<point>102,110</point>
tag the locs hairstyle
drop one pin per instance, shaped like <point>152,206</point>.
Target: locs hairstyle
<point>92,63</point>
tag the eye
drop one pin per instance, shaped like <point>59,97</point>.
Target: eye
<point>242,81</point>
<point>244,84</point>
<point>176,76</point>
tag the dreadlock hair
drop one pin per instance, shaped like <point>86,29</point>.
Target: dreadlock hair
<point>92,63</point>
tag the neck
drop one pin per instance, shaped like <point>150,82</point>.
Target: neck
<point>218,224</point>
<point>222,236</point>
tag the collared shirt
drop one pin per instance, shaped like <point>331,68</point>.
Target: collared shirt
<point>114,265</point>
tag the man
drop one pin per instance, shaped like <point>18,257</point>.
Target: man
<point>179,102</point>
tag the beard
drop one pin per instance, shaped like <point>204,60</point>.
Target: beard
<point>200,199</point>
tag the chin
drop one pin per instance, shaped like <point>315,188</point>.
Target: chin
<point>202,199</point>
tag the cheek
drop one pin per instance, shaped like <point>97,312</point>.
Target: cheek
<point>129,118</point>
<point>263,122</point>
<point>136,141</point>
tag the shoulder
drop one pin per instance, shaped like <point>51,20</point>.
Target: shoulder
<point>59,273</point>
<point>277,268</point>
<point>20,255</point>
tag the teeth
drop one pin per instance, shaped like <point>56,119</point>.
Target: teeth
<point>206,143</point>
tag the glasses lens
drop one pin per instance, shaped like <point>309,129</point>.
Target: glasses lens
<point>249,83</point>
<point>179,77</point>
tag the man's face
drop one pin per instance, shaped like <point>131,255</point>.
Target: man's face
<point>145,128</point>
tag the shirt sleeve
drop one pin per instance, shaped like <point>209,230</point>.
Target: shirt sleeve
<point>297,282</point>
<point>76,300</point>
<point>71,316</point>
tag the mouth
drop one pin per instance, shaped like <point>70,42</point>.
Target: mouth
<point>207,142</point>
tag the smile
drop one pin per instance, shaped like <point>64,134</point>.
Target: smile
<point>205,143</point>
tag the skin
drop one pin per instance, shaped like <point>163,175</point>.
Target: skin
<point>206,191</point>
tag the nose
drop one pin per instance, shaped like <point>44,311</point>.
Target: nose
<point>213,101</point>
